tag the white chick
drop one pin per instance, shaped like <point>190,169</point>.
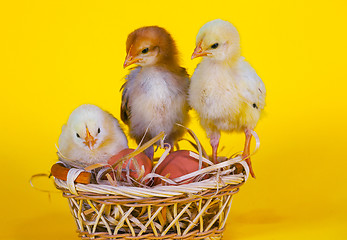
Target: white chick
<point>155,93</point>
<point>90,136</point>
<point>225,90</point>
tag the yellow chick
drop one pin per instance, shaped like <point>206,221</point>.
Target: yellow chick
<point>90,136</point>
<point>225,90</point>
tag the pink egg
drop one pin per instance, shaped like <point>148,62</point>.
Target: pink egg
<point>177,164</point>
<point>141,159</point>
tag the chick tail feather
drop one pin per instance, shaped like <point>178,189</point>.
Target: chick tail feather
<point>150,152</point>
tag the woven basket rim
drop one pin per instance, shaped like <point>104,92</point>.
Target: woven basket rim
<point>213,183</point>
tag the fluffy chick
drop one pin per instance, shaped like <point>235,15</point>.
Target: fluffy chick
<point>225,90</point>
<point>155,93</point>
<point>90,136</point>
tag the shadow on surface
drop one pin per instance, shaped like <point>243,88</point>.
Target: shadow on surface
<point>56,226</point>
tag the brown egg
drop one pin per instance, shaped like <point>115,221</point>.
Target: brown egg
<point>141,159</point>
<point>177,164</point>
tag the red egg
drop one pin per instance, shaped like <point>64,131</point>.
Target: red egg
<point>177,164</point>
<point>141,159</point>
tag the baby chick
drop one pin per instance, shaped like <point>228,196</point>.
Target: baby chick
<point>155,93</point>
<point>225,90</point>
<point>90,136</point>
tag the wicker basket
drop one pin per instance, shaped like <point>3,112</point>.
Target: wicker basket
<point>196,210</point>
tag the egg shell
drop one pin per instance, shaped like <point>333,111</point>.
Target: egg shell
<point>141,159</point>
<point>177,164</point>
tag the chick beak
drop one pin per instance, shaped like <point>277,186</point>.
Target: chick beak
<point>89,140</point>
<point>198,52</point>
<point>130,60</point>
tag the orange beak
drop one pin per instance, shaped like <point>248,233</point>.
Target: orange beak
<point>198,52</point>
<point>130,60</point>
<point>89,140</point>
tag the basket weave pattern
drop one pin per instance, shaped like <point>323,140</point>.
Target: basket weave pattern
<point>186,217</point>
<point>196,210</point>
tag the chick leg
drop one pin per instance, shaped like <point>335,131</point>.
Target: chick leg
<point>246,151</point>
<point>172,145</point>
<point>214,141</point>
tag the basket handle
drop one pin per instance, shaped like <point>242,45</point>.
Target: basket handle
<point>60,172</point>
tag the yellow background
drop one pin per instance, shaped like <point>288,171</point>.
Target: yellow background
<point>56,55</point>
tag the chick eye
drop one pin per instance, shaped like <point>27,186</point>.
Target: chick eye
<point>77,135</point>
<point>144,51</point>
<point>98,130</point>
<point>214,46</point>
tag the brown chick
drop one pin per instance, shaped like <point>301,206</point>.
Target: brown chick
<point>155,93</point>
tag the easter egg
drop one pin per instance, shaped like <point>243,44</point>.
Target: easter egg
<point>177,164</point>
<point>141,158</point>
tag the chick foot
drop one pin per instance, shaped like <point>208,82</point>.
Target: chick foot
<point>246,151</point>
